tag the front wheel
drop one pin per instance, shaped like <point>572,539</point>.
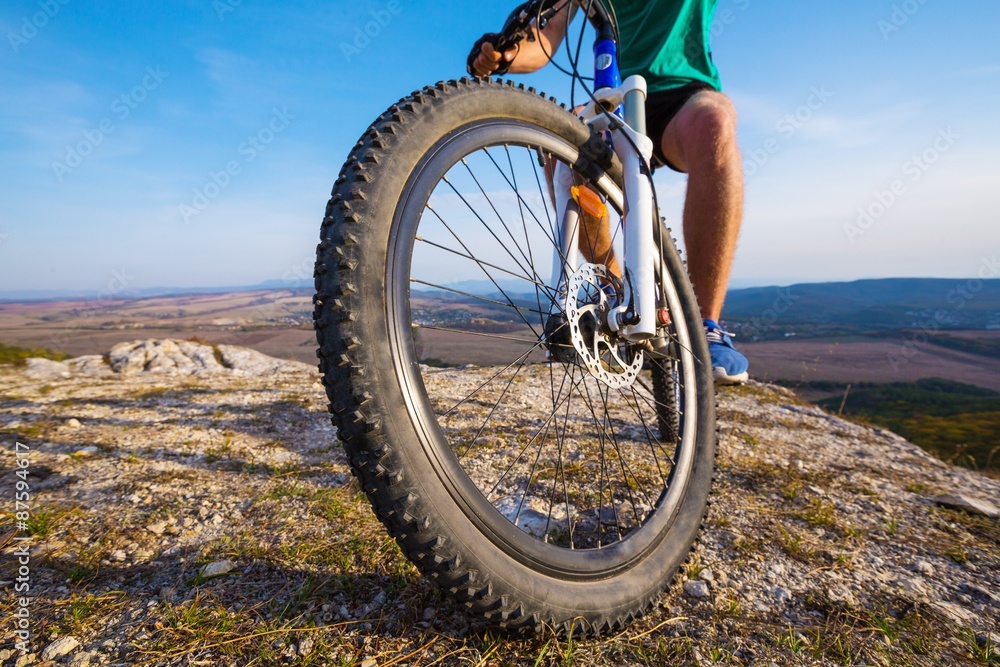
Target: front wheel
<point>539,489</point>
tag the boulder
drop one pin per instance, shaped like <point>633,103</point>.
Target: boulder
<point>968,504</point>
<point>47,370</point>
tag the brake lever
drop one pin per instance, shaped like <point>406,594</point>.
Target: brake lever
<point>516,28</point>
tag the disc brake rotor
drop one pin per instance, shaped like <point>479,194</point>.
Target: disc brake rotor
<point>605,357</point>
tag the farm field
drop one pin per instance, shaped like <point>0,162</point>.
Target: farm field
<point>866,360</point>
<point>279,323</point>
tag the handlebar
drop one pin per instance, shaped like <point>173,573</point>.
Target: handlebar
<point>519,26</point>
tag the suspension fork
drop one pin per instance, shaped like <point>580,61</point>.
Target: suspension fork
<point>636,318</point>
<point>639,314</point>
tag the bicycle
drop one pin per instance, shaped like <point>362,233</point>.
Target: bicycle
<point>562,480</point>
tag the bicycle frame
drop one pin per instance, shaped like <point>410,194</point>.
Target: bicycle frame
<point>635,319</point>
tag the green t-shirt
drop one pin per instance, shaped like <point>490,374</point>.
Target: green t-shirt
<point>667,41</point>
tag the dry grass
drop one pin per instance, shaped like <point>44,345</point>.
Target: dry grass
<point>317,581</point>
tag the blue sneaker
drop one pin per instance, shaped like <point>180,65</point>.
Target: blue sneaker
<point>728,365</point>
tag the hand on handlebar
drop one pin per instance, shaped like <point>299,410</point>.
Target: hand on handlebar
<point>489,60</point>
<point>531,34</point>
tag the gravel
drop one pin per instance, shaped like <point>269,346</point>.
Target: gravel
<point>816,521</point>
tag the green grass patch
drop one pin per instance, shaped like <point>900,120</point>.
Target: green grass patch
<point>14,354</point>
<point>956,422</point>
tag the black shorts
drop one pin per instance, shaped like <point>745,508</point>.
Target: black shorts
<point>661,107</point>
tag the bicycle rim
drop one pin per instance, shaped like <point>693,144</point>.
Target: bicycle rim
<point>559,470</point>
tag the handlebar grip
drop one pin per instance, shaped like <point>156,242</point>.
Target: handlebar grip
<point>495,40</point>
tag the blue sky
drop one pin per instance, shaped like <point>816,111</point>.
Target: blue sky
<point>115,116</point>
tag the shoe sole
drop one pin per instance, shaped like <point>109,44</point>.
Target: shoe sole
<point>724,379</point>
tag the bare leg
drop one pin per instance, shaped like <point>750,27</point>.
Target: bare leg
<point>595,243</point>
<point>595,233</point>
<point>701,140</point>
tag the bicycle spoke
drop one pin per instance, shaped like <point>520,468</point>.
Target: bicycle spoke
<point>473,296</point>
<point>483,263</point>
<point>493,410</point>
<point>475,333</point>
<point>492,280</point>
<point>497,374</point>
<point>577,464</point>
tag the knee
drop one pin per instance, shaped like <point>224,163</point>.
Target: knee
<point>712,127</point>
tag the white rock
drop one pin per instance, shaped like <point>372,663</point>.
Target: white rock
<point>90,365</point>
<point>118,555</point>
<point>216,569</point>
<point>163,356</point>
<point>184,357</point>
<point>842,595</point>
<point>913,586</point>
<point>955,612</point>
<point>532,516</point>
<point>781,594</point>
<point>46,369</point>
<point>81,659</point>
<point>157,528</point>
<point>73,423</point>
<point>696,589</point>
<point>89,450</point>
<point>59,648</point>
<point>369,662</point>
<point>252,362</point>
<point>968,504</point>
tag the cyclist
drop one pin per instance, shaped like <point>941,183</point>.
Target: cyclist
<point>693,128</point>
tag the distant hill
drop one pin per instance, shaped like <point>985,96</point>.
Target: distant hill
<point>148,292</point>
<point>893,303</point>
<point>868,305</point>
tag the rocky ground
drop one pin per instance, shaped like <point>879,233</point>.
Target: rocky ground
<point>191,506</point>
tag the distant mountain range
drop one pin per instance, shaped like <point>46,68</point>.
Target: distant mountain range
<point>147,292</point>
<point>888,303</point>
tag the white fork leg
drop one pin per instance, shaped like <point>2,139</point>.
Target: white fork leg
<point>566,255</point>
<point>640,251</point>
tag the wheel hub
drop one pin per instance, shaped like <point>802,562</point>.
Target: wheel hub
<point>601,352</point>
